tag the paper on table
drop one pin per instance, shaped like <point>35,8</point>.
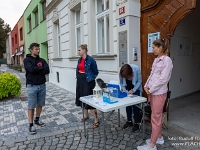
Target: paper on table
<point>131,95</point>
<point>88,97</point>
<point>101,103</point>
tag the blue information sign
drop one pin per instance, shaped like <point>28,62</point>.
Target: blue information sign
<point>122,21</point>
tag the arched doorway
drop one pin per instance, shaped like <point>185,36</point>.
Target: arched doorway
<point>185,81</point>
<point>160,16</point>
<point>166,17</point>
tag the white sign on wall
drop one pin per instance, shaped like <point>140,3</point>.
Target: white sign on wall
<point>151,38</point>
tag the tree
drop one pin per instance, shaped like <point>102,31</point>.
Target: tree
<point>4,29</point>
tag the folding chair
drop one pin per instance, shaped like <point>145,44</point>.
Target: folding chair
<point>165,108</point>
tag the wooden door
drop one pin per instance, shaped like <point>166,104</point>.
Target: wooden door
<point>198,48</point>
<point>160,16</point>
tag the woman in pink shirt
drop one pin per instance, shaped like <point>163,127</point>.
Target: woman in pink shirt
<point>156,88</point>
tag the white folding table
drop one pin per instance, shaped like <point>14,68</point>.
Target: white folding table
<point>122,102</point>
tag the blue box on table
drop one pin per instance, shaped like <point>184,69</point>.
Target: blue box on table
<point>120,93</point>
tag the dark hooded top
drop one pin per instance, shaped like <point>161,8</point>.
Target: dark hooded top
<point>36,69</point>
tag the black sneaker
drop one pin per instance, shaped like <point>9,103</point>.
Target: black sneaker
<point>128,124</point>
<point>32,130</point>
<point>39,123</point>
<point>135,128</point>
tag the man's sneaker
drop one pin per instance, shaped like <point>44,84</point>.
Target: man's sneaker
<point>128,124</point>
<point>32,130</point>
<point>146,147</point>
<point>39,123</point>
<point>135,128</point>
<point>159,141</point>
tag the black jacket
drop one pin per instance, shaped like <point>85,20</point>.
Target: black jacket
<point>36,69</point>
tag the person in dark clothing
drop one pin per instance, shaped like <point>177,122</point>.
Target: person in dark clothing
<point>131,82</point>
<point>36,69</point>
<point>86,73</point>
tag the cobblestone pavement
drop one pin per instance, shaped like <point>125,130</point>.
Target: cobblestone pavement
<point>63,130</point>
<point>59,112</point>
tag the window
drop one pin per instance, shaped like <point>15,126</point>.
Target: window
<point>78,25</point>
<point>43,9</point>
<point>15,38</point>
<point>12,41</point>
<point>21,34</point>
<point>102,26</point>
<point>57,40</point>
<point>29,24</point>
<point>102,5</point>
<point>36,18</point>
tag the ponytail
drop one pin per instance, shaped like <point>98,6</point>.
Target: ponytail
<point>164,43</point>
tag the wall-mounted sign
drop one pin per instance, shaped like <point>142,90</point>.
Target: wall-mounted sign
<point>152,37</point>
<point>122,48</point>
<point>135,57</point>
<point>122,10</point>
<point>122,21</point>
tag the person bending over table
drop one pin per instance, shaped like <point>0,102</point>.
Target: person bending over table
<point>131,82</point>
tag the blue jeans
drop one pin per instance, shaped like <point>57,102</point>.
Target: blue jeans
<point>135,110</point>
<point>36,95</point>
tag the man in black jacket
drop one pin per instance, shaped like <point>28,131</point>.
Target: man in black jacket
<point>36,69</point>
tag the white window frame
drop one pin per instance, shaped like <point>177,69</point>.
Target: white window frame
<point>102,14</point>
<point>78,25</point>
<point>58,39</point>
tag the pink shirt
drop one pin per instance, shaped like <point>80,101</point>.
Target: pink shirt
<point>160,75</point>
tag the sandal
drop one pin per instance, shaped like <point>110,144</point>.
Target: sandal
<point>96,125</point>
<point>84,119</point>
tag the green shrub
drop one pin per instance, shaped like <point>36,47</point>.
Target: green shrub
<point>9,85</point>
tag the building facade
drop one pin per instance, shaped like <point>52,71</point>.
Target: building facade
<point>35,27</point>
<point>21,38</point>
<point>110,28</point>
<point>9,48</point>
<point>118,32</point>
<point>15,44</point>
